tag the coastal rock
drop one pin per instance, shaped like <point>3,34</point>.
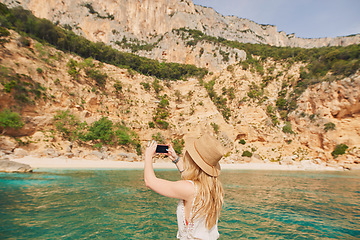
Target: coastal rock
<point>50,152</point>
<point>97,154</point>
<point>20,153</point>
<point>69,154</point>
<point>7,143</point>
<point>32,125</point>
<point>11,166</point>
<point>287,160</point>
<point>256,160</point>
<point>312,164</point>
<point>128,156</point>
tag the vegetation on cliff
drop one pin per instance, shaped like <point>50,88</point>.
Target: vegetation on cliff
<point>266,85</point>
<point>10,120</point>
<point>21,87</point>
<point>43,30</point>
<point>99,133</point>
<point>321,64</point>
<point>340,61</point>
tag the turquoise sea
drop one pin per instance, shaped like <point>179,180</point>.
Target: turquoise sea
<point>115,204</point>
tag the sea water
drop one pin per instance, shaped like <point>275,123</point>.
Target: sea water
<point>115,204</point>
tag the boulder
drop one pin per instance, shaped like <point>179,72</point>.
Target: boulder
<point>128,156</point>
<point>7,144</point>
<point>11,166</point>
<point>256,160</point>
<point>97,154</point>
<point>287,161</point>
<point>20,153</point>
<point>50,152</point>
<point>77,153</point>
<point>69,154</point>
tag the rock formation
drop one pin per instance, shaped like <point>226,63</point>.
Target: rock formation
<point>152,23</point>
<point>11,167</point>
<point>105,20</point>
<point>249,127</point>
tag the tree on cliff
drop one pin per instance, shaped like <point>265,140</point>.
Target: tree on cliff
<point>9,119</point>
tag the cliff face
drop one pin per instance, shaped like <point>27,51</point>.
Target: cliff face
<point>191,110</point>
<point>152,23</point>
<point>147,18</point>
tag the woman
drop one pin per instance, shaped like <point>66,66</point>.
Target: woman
<point>200,191</point>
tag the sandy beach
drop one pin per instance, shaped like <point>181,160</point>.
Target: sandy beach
<point>77,163</point>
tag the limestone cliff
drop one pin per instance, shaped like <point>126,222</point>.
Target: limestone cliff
<point>101,20</point>
<point>249,127</point>
<point>234,102</point>
<point>152,22</point>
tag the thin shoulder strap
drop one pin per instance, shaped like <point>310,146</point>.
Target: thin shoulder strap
<point>194,186</point>
<point>192,204</point>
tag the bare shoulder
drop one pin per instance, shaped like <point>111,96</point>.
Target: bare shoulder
<point>188,188</point>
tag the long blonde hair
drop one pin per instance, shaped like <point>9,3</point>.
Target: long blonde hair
<point>210,195</point>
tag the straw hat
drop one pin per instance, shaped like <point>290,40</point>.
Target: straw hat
<point>206,152</point>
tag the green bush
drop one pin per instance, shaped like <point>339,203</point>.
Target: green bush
<point>270,110</point>
<point>125,136</point>
<point>160,139</point>
<point>178,145</point>
<point>162,113</point>
<point>24,41</point>
<point>287,128</point>
<point>247,153</point>
<point>118,86</point>
<point>215,127</point>
<point>178,96</point>
<point>242,141</point>
<point>68,125</point>
<point>164,102</point>
<point>162,124</point>
<point>97,75</point>
<point>156,85</point>
<point>73,69</point>
<point>10,120</point>
<point>39,70</point>
<point>340,149</point>
<point>281,103</point>
<point>102,131</point>
<point>219,101</point>
<point>329,126</point>
<point>146,86</point>
<point>4,32</point>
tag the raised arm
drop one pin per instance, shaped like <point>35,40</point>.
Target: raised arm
<point>179,189</point>
<point>175,158</point>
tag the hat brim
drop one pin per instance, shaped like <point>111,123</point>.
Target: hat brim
<point>195,156</point>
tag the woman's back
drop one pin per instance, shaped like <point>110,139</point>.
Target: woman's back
<point>189,228</point>
<point>200,190</point>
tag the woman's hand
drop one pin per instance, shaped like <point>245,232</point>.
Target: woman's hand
<point>150,150</point>
<point>171,153</point>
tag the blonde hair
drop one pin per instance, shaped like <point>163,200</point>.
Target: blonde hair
<point>210,195</point>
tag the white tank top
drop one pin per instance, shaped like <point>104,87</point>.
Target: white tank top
<point>194,229</point>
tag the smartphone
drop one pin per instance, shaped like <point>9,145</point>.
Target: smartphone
<point>162,148</point>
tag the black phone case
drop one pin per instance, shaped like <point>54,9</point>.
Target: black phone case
<point>162,148</point>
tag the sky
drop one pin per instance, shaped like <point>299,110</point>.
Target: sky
<point>305,18</point>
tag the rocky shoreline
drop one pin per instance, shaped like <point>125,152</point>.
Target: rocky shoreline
<point>14,158</point>
<point>28,163</point>
<point>12,167</point>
